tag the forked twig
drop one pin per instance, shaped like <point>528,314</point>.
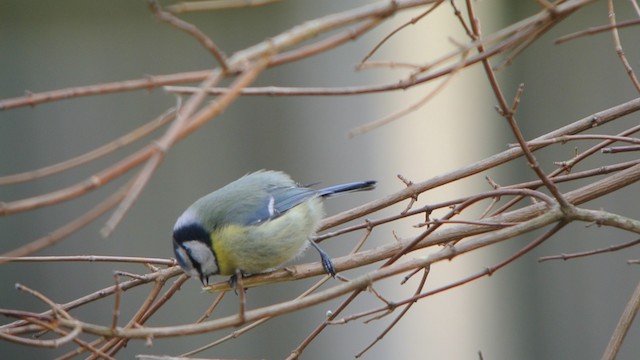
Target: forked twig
<point>400,316</point>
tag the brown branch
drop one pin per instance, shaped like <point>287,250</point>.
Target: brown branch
<point>626,319</point>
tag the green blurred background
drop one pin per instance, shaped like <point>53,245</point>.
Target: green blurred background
<point>554,310</point>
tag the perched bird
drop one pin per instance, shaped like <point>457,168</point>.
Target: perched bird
<point>252,225</point>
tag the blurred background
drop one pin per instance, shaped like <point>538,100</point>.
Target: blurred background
<point>530,310</point>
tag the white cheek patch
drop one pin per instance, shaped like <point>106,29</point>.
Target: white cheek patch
<point>203,255</point>
<point>185,262</point>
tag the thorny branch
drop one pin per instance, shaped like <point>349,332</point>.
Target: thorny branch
<point>450,235</point>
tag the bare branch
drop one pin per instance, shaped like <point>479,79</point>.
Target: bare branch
<point>626,319</point>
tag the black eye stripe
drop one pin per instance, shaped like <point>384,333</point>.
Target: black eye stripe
<point>194,263</point>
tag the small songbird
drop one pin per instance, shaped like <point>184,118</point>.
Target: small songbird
<point>252,225</point>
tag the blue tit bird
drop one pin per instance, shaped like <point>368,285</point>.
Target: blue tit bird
<point>252,225</point>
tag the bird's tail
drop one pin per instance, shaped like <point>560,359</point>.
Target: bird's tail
<point>346,188</point>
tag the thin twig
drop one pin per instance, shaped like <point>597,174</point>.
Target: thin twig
<point>324,45</point>
<point>486,272</point>
<point>400,316</point>
<point>591,252</point>
<point>566,166</point>
<point>56,309</point>
<point>121,142</point>
<point>413,107</point>
<point>210,310</point>
<point>185,123</point>
<point>298,35</point>
<point>596,30</point>
<point>618,46</point>
<point>413,21</point>
<point>161,147</point>
<point>508,112</point>
<point>108,291</point>
<point>53,343</point>
<point>209,5</point>
<point>192,30</point>
<point>91,258</point>
<point>455,233</point>
<point>116,343</point>
<point>164,298</point>
<point>565,138</point>
<point>65,230</point>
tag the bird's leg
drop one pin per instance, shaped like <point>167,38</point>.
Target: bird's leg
<point>238,276</point>
<point>327,264</point>
<point>235,281</point>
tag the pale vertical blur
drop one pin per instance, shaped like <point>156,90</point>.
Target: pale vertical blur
<point>455,128</point>
<point>524,312</point>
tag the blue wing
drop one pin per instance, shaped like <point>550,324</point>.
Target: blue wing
<point>276,201</point>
